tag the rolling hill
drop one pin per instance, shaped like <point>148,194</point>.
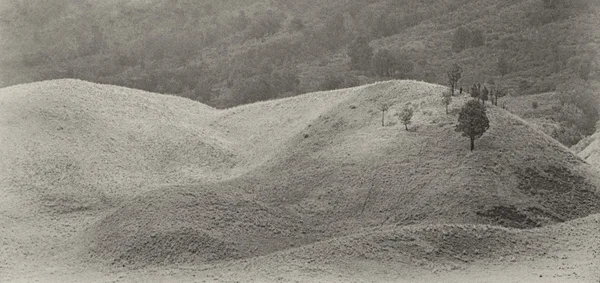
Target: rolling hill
<point>98,177</point>
<point>343,172</point>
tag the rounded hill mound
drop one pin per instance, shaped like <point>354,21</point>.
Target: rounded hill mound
<point>76,145</point>
<point>340,172</point>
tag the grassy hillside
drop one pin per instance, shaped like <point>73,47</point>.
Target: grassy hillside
<point>537,109</point>
<point>76,145</point>
<point>103,174</point>
<point>589,149</point>
<point>343,172</point>
<point>455,253</point>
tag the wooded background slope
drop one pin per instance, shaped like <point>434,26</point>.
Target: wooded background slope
<point>226,53</point>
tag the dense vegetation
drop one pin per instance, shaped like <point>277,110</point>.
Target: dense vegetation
<point>226,53</point>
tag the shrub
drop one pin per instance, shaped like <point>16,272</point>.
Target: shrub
<point>406,116</point>
<point>534,104</point>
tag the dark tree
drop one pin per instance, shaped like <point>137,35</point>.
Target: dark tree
<point>472,121</point>
<point>406,116</point>
<point>499,92</point>
<point>484,95</point>
<point>360,53</point>
<point>454,74</point>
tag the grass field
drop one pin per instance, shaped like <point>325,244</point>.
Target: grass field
<point>102,183</point>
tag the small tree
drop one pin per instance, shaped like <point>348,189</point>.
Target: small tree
<point>447,99</point>
<point>534,105</point>
<point>484,95</point>
<point>384,107</point>
<point>454,74</point>
<point>406,116</point>
<point>494,96</point>
<point>472,121</point>
<point>499,93</point>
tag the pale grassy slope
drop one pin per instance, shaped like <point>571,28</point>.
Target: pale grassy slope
<point>77,144</point>
<point>589,149</point>
<point>71,150</point>
<point>565,252</point>
<point>261,129</point>
<point>344,172</point>
<point>133,179</point>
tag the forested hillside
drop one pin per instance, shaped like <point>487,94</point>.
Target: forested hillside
<point>226,53</point>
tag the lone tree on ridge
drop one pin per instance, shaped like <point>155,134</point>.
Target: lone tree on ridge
<point>472,121</point>
<point>406,116</point>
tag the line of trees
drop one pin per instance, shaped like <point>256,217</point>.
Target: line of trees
<point>472,118</point>
<point>483,93</point>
